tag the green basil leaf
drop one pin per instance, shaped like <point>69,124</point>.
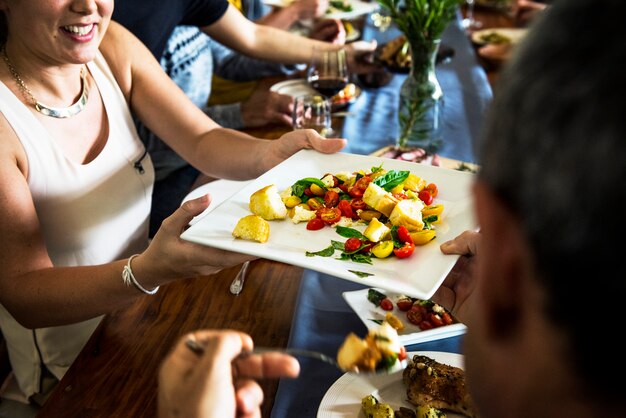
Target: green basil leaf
<point>298,187</point>
<point>326,252</point>
<point>391,179</point>
<point>349,232</point>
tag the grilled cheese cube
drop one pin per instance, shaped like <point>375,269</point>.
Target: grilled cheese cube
<point>379,199</point>
<point>268,204</point>
<point>408,212</point>
<point>413,182</point>
<point>252,228</point>
<point>376,230</point>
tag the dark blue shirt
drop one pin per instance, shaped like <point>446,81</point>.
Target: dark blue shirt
<point>154,21</point>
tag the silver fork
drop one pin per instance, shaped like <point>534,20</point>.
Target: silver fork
<point>237,285</point>
<point>198,348</point>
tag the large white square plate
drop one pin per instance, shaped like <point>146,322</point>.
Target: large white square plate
<point>411,334</point>
<point>418,276</point>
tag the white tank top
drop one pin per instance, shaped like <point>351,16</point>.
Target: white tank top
<point>89,214</point>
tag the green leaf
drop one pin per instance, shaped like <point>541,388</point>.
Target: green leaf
<point>349,232</point>
<point>391,179</point>
<point>361,274</point>
<point>326,252</point>
<point>298,187</point>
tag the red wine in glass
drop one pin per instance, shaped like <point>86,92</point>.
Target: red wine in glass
<point>328,72</point>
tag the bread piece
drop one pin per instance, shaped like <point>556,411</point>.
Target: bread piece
<point>408,212</point>
<point>267,203</point>
<point>252,228</point>
<point>376,230</point>
<point>379,199</point>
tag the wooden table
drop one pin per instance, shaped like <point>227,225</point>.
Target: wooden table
<point>116,373</point>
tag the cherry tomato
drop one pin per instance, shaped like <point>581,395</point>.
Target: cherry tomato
<point>424,325</point>
<point>404,235</point>
<point>415,315</point>
<point>352,244</point>
<point>446,318</point>
<point>368,246</point>
<point>435,319</point>
<point>331,198</point>
<point>357,204</point>
<point>355,192</point>
<point>329,215</point>
<point>314,203</point>
<point>359,187</point>
<point>405,251</point>
<point>404,304</point>
<point>402,354</point>
<point>345,208</point>
<point>343,187</point>
<point>315,224</point>
<point>432,189</point>
<point>386,304</point>
<point>400,196</point>
<point>308,192</point>
<point>426,197</point>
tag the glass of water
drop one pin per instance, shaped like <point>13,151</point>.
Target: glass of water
<point>313,111</point>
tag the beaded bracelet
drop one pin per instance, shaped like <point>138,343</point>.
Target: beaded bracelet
<point>129,278</point>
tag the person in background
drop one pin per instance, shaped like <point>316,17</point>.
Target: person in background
<point>216,383</point>
<point>542,304</point>
<point>525,11</point>
<point>186,61</point>
<point>77,182</point>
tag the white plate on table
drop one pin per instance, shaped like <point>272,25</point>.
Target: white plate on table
<point>411,334</point>
<point>299,87</point>
<point>418,276</point>
<point>507,35</point>
<point>343,398</point>
<point>358,8</point>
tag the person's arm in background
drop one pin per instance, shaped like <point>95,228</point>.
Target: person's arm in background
<point>263,42</point>
<point>215,384</point>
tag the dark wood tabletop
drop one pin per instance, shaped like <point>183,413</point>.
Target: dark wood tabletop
<point>116,373</point>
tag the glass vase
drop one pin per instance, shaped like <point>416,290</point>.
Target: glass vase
<point>421,100</point>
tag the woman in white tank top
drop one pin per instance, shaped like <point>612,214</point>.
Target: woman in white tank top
<point>75,183</point>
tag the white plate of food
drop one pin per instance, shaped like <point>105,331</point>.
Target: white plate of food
<point>499,36</point>
<point>299,87</point>
<point>343,398</point>
<point>338,9</point>
<point>418,275</point>
<point>372,315</point>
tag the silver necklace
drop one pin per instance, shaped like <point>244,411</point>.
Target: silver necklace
<point>55,112</point>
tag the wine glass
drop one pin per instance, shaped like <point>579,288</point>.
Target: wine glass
<point>328,71</point>
<point>312,111</point>
<point>470,22</point>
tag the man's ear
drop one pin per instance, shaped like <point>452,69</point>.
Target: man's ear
<point>503,264</point>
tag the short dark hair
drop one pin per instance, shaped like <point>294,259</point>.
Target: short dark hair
<point>555,152</point>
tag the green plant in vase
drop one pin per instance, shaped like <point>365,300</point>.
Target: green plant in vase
<point>420,111</point>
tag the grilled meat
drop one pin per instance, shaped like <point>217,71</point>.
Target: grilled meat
<point>438,385</point>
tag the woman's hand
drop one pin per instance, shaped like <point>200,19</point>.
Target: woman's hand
<point>208,385</point>
<point>294,141</point>
<point>169,257</point>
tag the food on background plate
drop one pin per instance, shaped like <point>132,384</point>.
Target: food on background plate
<point>426,314</point>
<point>396,54</point>
<point>345,95</point>
<point>379,351</point>
<point>252,228</point>
<point>268,204</point>
<point>336,6</point>
<point>373,408</point>
<point>437,385</point>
